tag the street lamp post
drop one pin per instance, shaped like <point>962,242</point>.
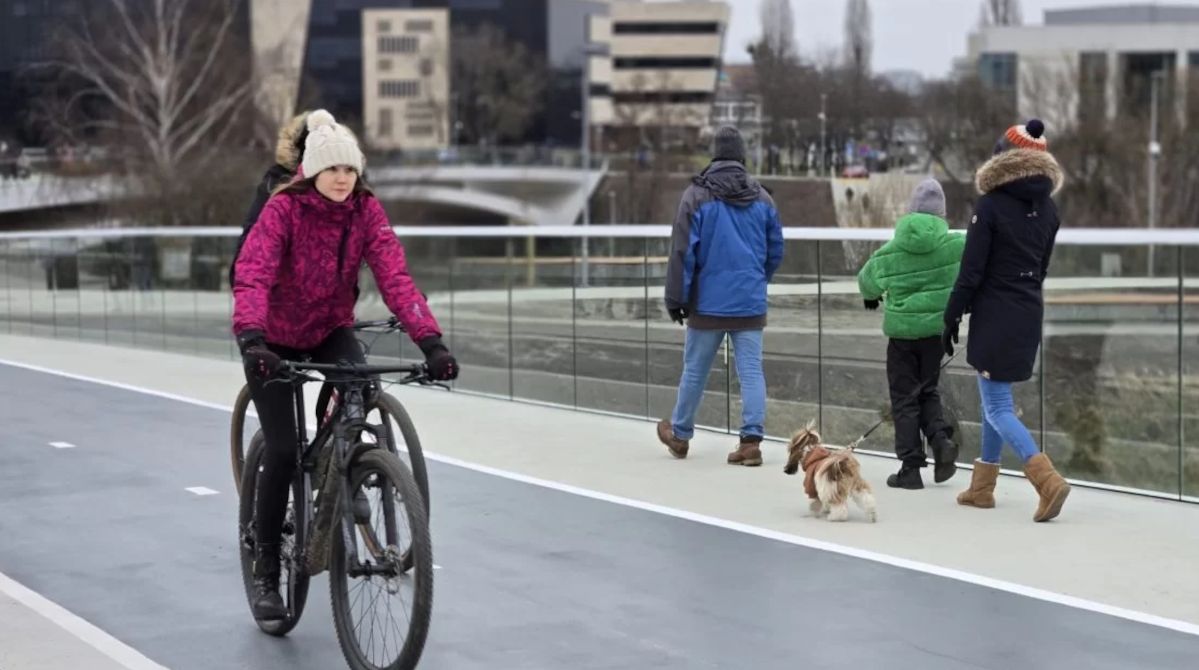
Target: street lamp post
<point>585,117</point>
<point>1155,152</point>
<point>823,121</point>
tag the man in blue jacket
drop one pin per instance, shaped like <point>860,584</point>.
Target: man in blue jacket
<point>726,245</point>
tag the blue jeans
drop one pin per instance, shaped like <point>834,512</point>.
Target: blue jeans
<point>698,354</point>
<point>1000,423</point>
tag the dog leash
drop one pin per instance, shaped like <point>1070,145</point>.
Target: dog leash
<point>854,445</point>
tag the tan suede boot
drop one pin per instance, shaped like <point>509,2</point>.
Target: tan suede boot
<point>677,446</point>
<point>982,486</point>
<point>746,453</point>
<point>1052,488</point>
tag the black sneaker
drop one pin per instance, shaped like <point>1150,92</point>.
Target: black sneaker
<point>945,456</point>
<point>268,604</point>
<point>906,478</point>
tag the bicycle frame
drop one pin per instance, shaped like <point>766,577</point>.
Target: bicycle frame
<point>348,418</point>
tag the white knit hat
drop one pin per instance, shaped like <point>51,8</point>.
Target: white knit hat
<point>329,144</point>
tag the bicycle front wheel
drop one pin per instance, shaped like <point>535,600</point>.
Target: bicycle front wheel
<point>408,441</point>
<point>380,611</point>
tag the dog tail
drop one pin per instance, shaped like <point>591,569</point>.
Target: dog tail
<point>840,466</point>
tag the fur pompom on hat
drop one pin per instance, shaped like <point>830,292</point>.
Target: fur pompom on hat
<point>1028,136</point>
<point>329,144</point>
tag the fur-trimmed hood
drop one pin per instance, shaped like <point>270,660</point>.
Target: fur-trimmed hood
<point>1017,164</point>
<point>290,147</point>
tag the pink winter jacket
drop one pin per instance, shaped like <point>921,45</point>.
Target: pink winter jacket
<point>296,273</point>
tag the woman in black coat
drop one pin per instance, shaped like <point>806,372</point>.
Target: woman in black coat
<point>1008,247</point>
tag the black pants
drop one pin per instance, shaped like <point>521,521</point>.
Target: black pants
<point>276,413</point>
<point>911,363</point>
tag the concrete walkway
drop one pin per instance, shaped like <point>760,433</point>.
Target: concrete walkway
<point>1109,553</point>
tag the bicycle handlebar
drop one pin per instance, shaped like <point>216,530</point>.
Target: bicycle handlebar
<point>390,324</point>
<point>294,371</point>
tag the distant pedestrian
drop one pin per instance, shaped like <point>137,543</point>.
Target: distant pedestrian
<point>912,276</point>
<point>1008,247</point>
<point>726,245</point>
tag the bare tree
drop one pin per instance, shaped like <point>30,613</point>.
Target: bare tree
<point>1001,13</point>
<point>153,76</point>
<point>859,36</point>
<point>498,84</point>
<point>778,27</point>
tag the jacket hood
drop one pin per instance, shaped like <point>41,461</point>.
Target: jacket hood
<point>920,233</point>
<point>290,147</point>
<point>728,181</point>
<point>1037,171</point>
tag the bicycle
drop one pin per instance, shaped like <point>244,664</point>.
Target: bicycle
<point>386,404</point>
<point>332,528</point>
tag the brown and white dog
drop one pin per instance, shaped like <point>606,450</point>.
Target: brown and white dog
<point>830,478</point>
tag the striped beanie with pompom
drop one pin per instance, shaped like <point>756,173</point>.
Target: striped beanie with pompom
<point>1028,136</point>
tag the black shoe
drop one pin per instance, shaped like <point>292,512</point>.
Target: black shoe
<point>945,456</point>
<point>906,478</point>
<point>267,604</point>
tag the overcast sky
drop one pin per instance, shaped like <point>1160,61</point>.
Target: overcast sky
<point>922,35</point>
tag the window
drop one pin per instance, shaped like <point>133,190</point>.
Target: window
<point>662,63</point>
<point>385,122</point>
<point>998,70</point>
<point>426,67</point>
<point>384,64</point>
<point>600,90</point>
<point>398,45</point>
<point>383,26</point>
<point>399,88</point>
<point>681,27</point>
<point>1193,58</point>
<point>421,131</point>
<point>1092,86</point>
<point>425,26</point>
<point>671,97</point>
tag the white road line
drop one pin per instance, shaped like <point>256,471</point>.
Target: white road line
<point>798,540</point>
<point>94,637</point>
<point>201,490</point>
<point>62,445</point>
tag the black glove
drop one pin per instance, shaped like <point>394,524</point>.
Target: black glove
<point>442,365</point>
<point>949,337</point>
<point>257,358</point>
<point>871,304</point>
<point>679,314</point>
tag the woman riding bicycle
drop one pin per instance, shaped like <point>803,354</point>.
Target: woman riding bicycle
<point>294,295</point>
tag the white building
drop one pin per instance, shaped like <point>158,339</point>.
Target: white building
<point>1091,61</point>
<point>406,78</point>
<point>657,64</point>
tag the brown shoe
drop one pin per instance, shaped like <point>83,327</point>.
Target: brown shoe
<point>1052,488</point>
<point>677,446</point>
<point>982,486</point>
<point>747,453</point>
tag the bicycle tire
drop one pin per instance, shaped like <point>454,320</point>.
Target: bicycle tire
<point>390,405</point>
<point>392,467</point>
<point>237,426</point>
<point>295,591</point>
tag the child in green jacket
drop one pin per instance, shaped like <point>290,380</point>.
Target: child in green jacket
<point>913,275</point>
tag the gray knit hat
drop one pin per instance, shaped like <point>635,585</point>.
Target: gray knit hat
<point>728,145</point>
<point>928,199</point>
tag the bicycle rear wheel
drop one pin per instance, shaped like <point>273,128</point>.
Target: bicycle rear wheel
<point>293,579</point>
<point>237,437</point>
<point>367,592</point>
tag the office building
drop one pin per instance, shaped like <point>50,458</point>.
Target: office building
<point>406,78</point>
<point>1095,62</point>
<point>660,69</point>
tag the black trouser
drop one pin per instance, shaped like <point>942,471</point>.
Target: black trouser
<point>911,363</point>
<point>276,414</point>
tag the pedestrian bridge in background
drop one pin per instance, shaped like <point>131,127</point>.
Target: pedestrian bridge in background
<point>523,193</point>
